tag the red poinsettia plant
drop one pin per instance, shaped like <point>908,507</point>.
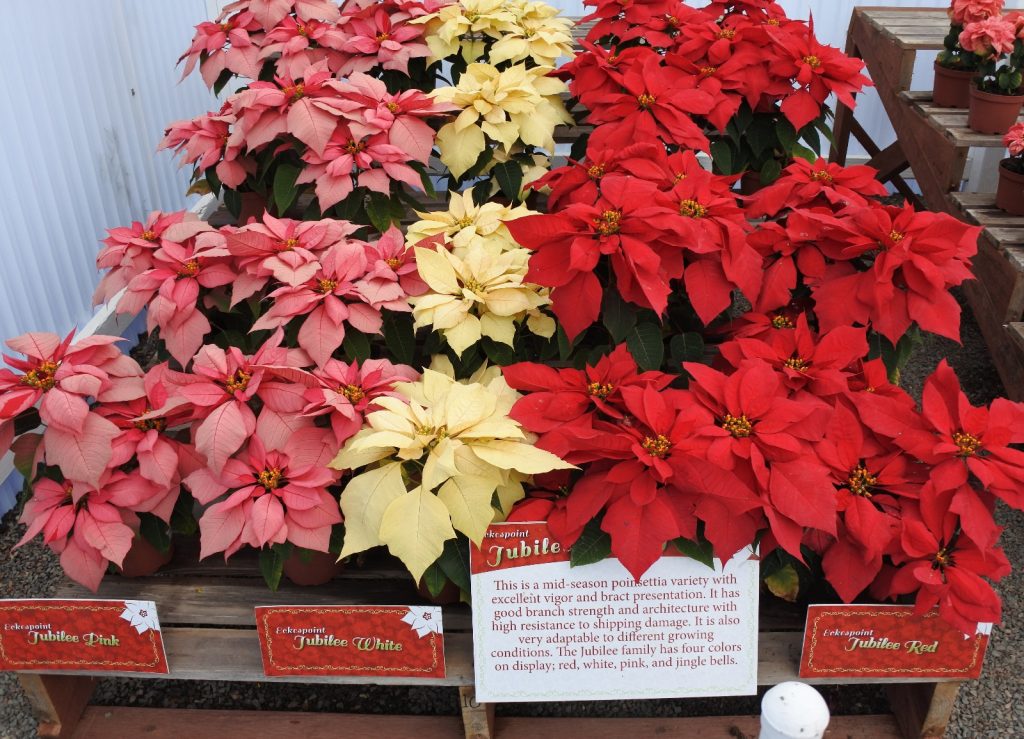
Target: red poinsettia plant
<point>644,358</point>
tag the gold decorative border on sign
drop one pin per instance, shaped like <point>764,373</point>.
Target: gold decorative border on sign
<point>77,662</point>
<point>901,670</point>
<point>340,668</point>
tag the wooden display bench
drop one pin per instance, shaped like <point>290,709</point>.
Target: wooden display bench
<point>934,142</point>
<point>209,629</point>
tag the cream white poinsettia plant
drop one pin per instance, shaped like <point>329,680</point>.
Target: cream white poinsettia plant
<point>433,459</point>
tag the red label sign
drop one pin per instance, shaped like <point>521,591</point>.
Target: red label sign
<point>382,641</point>
<point>887,641</point>
<point>508,545</point>
<point>83,635</point>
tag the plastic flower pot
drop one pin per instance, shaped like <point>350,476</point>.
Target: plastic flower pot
<point>144,559</point>
<point>312,568</point>
<point>991,113</point>
<point>1010,194</point>
<point>952,87</point>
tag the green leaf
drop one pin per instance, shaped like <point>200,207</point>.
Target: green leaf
<point>809,134</point>
<point>761,136</point>
<point>454,561</point>
<point>481,194</point>
<point>222,79</point>
<point>425,179</point>
<point>721,153</point>
<point>383,211</point>
<point>786,134</point>
<point>688,347</point>
<point>284,187</point>
<point>770,172</point>
<point>155,531</point>
<point>784,583</point>
<point>233,202</point>
<point>617,315</point>
<point>699,550</point>
<point>434,579</point>
<point>509,176</point>
<point>799,150</point>
<point>646,346</point>
<point>593,546</point>
<point>272,565</point>
<point>356,345</point>
<point>499,353</point>
<point>182,519</point>
<point>351,207</point>
<point>565,347</point>
<point>399,336</point>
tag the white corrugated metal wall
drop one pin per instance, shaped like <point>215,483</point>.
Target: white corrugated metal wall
<point>87,89</point>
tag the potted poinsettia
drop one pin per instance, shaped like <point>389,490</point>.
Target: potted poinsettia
<point>1010,194</point>
<point>955,67</point>
<point>996,97</point>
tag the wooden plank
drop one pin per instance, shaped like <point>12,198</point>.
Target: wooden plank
<point>952,122</point>
<point>923,711</point>
<point>216,602</point>
<point>1016,332</point>
<point>234,655</point>
<point>477,718</point>
<point>102,722</point>
<point>706,727</point>
<point>1007,358</point>
<point>57,700</point>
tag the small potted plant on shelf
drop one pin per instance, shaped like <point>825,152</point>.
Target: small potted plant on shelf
<point>996,96</point>
<point>955,67</point>
<point>1010,194</point>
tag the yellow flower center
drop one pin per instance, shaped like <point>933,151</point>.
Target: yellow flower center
<point>393,262</point>
<point>943,558</point>
<point>657,446</point>
<point>646,100</point>
<point>797,363</point>
<point>393,107</point>
<point>270,478</point>
<point>227,26</point>
<point>600,389</point>
<point>326,286</point>
<point>303,31</point>
<point>707,71</point>
<point>781,322</point>
<point>472,285</point>
<point>382,37</point>
<point>672,20</point>
<point>42,377</point>
<point>812,61</point>
<point>968,445</point>
<point>294,92</point>
<point>353,147</point>
<point>158,424</point>
<point>595,171</point>
<point>692,209</point>
<point>289,244</point>
<point>353,392</point>
<point>774,22</point>
<point>148,235</point>
<point>464,222</point>
<point>860,481</point>
<point>189,268</point>
<point>820,175</point>
<point>237,382</point>
<point>608,223</point>
<point>896,237</point>
<point>727,33</point>
<point>740,427</point>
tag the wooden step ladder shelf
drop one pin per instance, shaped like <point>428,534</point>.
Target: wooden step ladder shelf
<point>209,629</point>
<point>934,142</point>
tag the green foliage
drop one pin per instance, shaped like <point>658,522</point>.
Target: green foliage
<point>593,546</point>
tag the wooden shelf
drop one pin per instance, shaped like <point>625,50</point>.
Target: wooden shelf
<point>950,122</point>
<point>909,28</point>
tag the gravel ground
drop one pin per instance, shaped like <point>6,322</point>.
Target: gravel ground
<point>989,707</point>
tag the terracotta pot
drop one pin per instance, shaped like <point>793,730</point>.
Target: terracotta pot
<point>144,559</point>
<point>992,113</point>
<point>314,568</point>
<point>952,88</point>
<point>1010,195</point>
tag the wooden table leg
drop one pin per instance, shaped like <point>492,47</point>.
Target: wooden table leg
<point>923,710</point>
<point>478,718</point>
<point>58,700</point>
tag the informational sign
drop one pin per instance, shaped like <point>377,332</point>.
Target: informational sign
<point>873,641</point>
<point>545,631</point>
<point>382,641</point>
<point>84,635</point>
